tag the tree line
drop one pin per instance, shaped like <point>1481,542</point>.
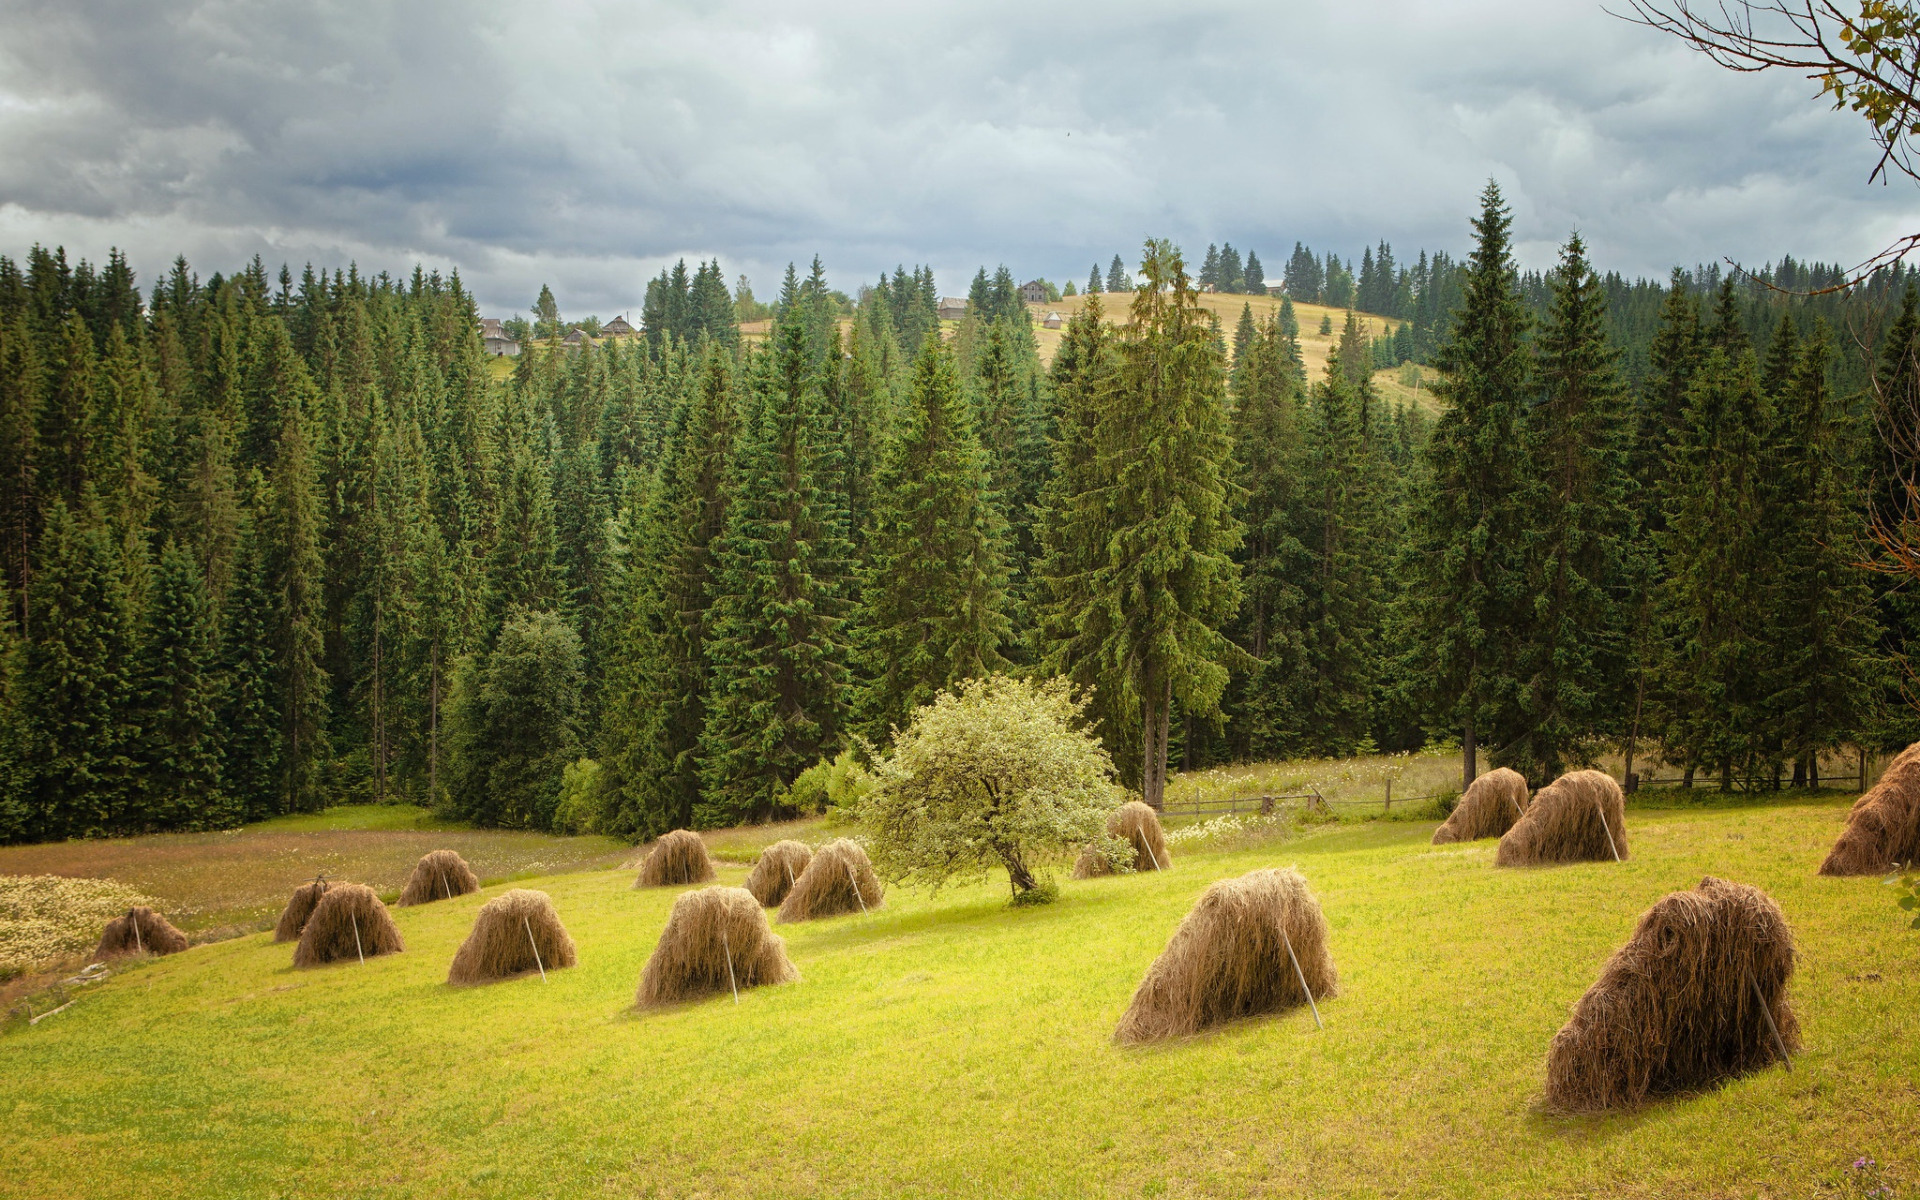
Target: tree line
<point>272,544</point>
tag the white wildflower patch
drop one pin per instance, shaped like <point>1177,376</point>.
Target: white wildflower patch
<point>44,918</point>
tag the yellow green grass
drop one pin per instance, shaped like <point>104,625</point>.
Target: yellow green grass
<point>951,1046</point>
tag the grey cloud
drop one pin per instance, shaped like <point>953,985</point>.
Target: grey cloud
<point>589,145</point>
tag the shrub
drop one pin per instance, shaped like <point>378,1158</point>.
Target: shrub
<point>830,786</point>
<point>997,772</point>
<point>578,810</point>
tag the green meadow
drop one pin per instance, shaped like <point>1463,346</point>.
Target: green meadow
<point>948,1045</point>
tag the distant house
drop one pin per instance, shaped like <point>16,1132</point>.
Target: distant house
<point>1051,321</point>
<point>617,327</point>
<point>576,338</point>
<point>1033,292</point>
<point>495,340</point>
<point>952,308</point>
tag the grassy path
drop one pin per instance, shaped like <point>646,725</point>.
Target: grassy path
<point>950,1046</point>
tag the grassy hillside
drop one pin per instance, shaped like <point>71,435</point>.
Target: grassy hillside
<point>949,1046</point>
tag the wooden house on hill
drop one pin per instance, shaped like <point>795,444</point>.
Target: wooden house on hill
<point>952,308</point>
<point>1033,292</point>
<point>494,339</point>
<point>617,327</point>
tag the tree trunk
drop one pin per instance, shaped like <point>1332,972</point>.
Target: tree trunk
<point>1155,720</point>
<point>433,729</point>
<point>1018,877</point>
<point>1633,734</point>
<point>1800,773</point>
<point>1469,754</point>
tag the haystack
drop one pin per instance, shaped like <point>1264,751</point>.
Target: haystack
<point>1883,827</point>
<point>515,933</point>
<point>839,879</point>
<point>141,931</point>
<point>1492,804</point>
<point>293,918</point>
<point>780,865</point>
<point>1699,994</point>
<point>349,923</point>
<point>716,940</point>
<point>1229,958</point>
<point>441,875</point>
<point>678,857</point>
<point>1579,817</point>
<point>1134,823</point>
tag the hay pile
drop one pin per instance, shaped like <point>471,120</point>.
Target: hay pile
<point>1138,825</point>
<point>840,879</point>
<point>1229,958</point>
<point>1491,806</point>
<point>678,857</point>
<point>140,931</point>
<point>1676,1008</point>
<point>441,875</point>
<point>1883,827</point>
<point>708,932</point>
<point>348,923</point>
<point>1579,817</point>
<point>300,906</point>
<point>515,933</point>
<point>779,868</point>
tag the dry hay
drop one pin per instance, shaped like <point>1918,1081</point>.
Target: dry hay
<point>779,867</point>
<point>140,931</point>
<point>300,906</point>
<point>349,923</point>
<point>1564,824</point>
<point>1883,827</point>
<point>1138,825</point>
<point>1675,1008</point>
<point>839,879</point>
<point>1491,806</point>
<point>1229,958</point>
<point>515,933</point>
<point>440,875</point>
<point>717,940</point>
<point>678,857</point>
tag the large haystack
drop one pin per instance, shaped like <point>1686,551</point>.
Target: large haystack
<point>515,933</point>
<point>1491,806</point>
<point>440,875</point>
<point>779,867</point>
<point>349,923</point>
<point>1883,828</point>
<point>1229,958</point>
<point>141,931</point>
<point>839,879</point>
<point>1579,817</point>
<point>677,858</point>
<point>716,940</point>
<point>1138,825</point>
<point>293,918</point>
<point>1698,994</point>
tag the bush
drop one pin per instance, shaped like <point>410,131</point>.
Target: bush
<point>579,808</point>
<point>835,786</point>
<point>997,772</point>
<point>1445,802</point>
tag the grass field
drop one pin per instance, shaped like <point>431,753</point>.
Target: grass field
<point>951,1046</point>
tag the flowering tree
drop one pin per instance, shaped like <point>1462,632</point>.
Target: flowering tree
<point>996,772</point>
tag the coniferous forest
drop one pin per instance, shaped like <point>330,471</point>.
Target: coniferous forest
<point>270,544</point>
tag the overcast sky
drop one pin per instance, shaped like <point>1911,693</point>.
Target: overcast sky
<point>586,144</point>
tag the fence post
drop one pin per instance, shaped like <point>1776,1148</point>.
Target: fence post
<point>1389,795</point>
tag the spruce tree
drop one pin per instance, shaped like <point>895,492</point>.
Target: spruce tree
<point>1467,525</point>
<point>16,812</point>
<point>515,724</point>
<point>1166,581</point>
<point>251,770</point>
<point>935,583</point>
<point>1118,279</point>
<point>1255,283</point>
<point>175,703</point>
<point>777,651</point>
<point>291,538</point>
<point>1093,281</point>
<point>1893,467</point>
<point>1578,497</point>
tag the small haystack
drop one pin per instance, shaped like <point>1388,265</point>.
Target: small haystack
<point>515,933</point>
<point>349,923</point>
<point>716,940</point>
<point>840,879</point>
<point>1579,817</point>
<point>1491,806</point>
<point>441,875</point>
<point>141,931</point>
<point>1699,994</point>
<point>779,867</point>
<point>293,918</point>
<point>1135,823</point>
<point>1230,958</point>
<point>1883,827</point>
<point>677,858</point>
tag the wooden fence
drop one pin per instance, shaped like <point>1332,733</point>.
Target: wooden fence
<point>1267,802</point>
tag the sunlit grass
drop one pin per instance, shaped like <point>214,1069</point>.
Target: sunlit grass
<point>951,1046</point>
